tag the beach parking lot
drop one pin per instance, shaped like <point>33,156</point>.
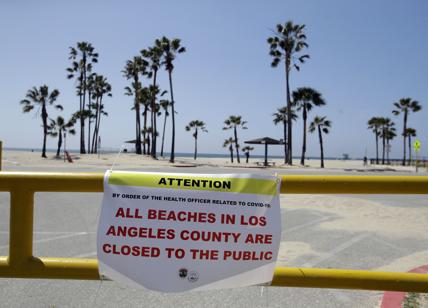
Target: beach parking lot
<point>375,232</point>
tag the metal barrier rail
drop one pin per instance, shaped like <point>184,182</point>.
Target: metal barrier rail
<point>22,264</point>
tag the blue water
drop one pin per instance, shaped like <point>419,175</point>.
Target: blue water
<point>177,154</point>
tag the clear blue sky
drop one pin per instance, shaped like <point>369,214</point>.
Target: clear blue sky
<point>364,56</point>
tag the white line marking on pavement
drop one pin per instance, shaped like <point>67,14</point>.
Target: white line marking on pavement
<point>389,244</point>
<point>313,222</point>
<point>49,232</point>
<point>336,250</point>
<point>53,238</point>
<point>85,255</point>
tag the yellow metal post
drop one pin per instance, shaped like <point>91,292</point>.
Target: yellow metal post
<point>21,227</point>
<point>349,279</point>
<point>349,184</point>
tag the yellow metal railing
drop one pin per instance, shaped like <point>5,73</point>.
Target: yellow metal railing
<point>22,264</point>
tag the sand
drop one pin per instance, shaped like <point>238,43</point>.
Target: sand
<point>13,159</point>
<point>357,215</point>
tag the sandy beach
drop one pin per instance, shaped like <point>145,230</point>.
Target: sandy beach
<point>13,160</point>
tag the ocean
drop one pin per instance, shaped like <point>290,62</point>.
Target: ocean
<point>177,154</point>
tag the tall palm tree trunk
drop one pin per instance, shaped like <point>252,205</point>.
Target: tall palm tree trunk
<point>236,144</point>
<point>285,141</point>
<point>59,143</point>
<point>89,122</point>
<point>172,157</point>
<point>163,133</point>
<point>410,149</point>
<point>377,148</point>
<point>383,148</point>
<point>321,146</point>
<point>231,153</point>
<point>97,126</point>
<point>287,81</point>
<point>92,148</point>
<point>305,116</point>
<point>154,117</point>
<point>98,132</point>
<point>387,151</point>
<point>404,138</point>
<point>137,118</point>
<point>45,129</point>
<point>82,135</point>
<point>137,130</point>
<point>148,143</point>
<point>82,118</point>
<point>196,144</point>
<point>145,130</point>
<point>82,122</point>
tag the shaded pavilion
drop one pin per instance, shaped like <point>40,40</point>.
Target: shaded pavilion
<point>266,141</point>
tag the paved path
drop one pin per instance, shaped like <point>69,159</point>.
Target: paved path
<point>67,229</point>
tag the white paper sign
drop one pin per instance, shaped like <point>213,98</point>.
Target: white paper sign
<point>176,232</point>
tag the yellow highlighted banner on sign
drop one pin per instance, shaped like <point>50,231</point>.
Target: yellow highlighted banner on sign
<point>221,184</point>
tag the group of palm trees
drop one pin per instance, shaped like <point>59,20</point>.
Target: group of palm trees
<point>287,43</point>
<point>384,128</point>
<point>40,99</point>
<point>304,99</point>
<point>91,88</point>
<point>147,65</point>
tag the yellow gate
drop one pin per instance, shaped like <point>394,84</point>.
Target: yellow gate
<point>22,264</point>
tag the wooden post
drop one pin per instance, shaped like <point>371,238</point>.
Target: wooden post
<point>266,153</point>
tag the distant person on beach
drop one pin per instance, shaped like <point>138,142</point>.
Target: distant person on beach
<point>365,160</point>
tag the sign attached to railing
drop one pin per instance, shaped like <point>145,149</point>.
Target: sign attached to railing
<point>178,232</point>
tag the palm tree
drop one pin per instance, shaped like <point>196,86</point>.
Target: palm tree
<point>41,98</point>
<point>170,49</point>
<point>145,100</point>
<point>405,105</point>
<point>235,122</point>
<point>165,104</point>
<point>197,126</point>
<point>83,57</point>
<point>149,133</point>
<point>375,124</point>
<point>229,143</point>
<point>59,128</point>
<point>153,55</point>
<point>288,40</point>
<point>386,129</point>
<point>281,117</point>
<point>247,149</point>
<point>323,125</point>
<point>390,134</point>
<point>304,99</point>
<point>146,131</point>
<point>410,132</point>
<point>101,88</point>
<point>132,70</point>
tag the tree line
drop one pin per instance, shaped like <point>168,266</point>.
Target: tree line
<point>384,128</point>
<point>286,45</point>
<point>142,71</point>
<point>91,89</point>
